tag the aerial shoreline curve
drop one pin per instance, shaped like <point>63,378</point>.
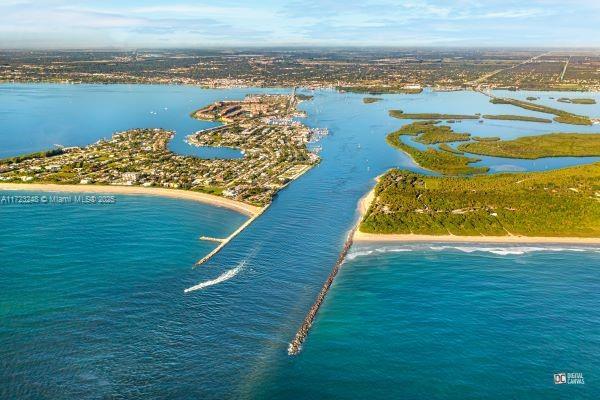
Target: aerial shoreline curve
<point>252,211</point>
<point>205,198</point>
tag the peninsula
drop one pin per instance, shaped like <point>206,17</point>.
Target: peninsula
<point>445,161</point>
<point>555,206</point>
<point>274,148</point>
<point>139,161</point>
<point>466,205</point>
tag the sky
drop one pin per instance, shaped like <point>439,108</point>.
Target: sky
<point>231,23</point>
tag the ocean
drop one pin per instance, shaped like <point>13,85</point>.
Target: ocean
<point>92,302</point>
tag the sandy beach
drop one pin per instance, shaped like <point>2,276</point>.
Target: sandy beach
<point>218,201</point>
<point>365,202</point>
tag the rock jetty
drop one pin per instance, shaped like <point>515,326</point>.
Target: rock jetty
<point>296,345</point>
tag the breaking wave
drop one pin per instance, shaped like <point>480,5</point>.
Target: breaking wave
<point>367,252</point>
<point>497,250</point>
<point>511,250</point>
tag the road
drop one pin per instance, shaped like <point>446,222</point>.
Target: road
<point>485,77</point>
<point>562,75</point>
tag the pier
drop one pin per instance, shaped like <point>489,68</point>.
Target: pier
<point>296,345</point>
<point>223,242</point>
<point>212,239</point>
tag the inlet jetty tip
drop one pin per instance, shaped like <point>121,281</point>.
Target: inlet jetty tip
<point>296,344</point>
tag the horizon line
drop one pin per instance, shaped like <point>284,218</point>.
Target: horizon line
<point>294,46</point>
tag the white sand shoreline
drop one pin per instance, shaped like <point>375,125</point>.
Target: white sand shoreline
<point>205,198</point>
<point>362,237</point>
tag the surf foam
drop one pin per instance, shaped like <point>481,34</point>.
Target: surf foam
<point>497,250</point>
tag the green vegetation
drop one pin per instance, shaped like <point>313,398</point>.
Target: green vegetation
<point>576,100</point>
<point>217,191</point>
<point>561,115</point>
<point>556,203</point>
<point>486,138</point>
<point>573,120</point>
<point>442,136</point>
<point>369,100</point>
<point>31,156</point>
<point>401,115</point>
<point>428,132</point>
<point>531,147</point>
<point>383,70</point>
<point>449,149</point>
<point>273,155</point>
<point>510,117</point>
<point>436,160</point>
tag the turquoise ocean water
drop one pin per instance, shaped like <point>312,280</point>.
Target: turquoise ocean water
<point>92,303</point>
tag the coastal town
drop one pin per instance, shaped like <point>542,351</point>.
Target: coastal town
<point>273,145</point>
<point>390,70</point>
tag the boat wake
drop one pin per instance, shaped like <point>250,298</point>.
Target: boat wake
<point>227,275</point>
<point>364,251</point>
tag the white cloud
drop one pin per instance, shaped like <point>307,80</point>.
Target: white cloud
<point>263,22</point>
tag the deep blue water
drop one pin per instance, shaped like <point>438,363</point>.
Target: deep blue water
<point>445,322</point>
<point>92,302</point>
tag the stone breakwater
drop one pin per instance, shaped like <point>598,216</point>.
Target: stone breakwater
<point>296,345</point>
<point>223,242</point>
